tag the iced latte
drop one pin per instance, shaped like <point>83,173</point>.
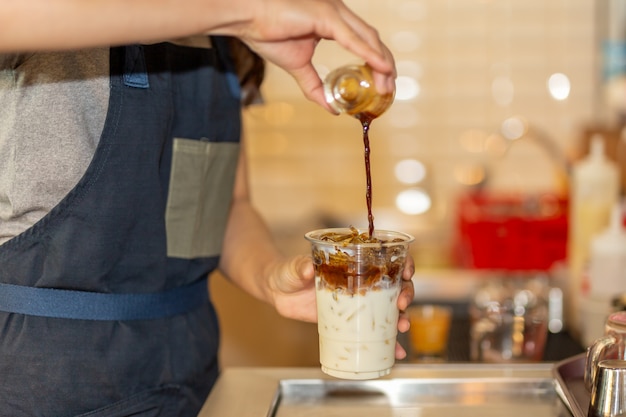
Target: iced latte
<point>358,280</point>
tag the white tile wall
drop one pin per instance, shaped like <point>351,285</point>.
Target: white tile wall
<point>306,164</point>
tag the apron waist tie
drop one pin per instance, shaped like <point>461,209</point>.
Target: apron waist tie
<point>85,305</point>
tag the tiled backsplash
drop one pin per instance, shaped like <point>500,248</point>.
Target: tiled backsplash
<point>465,66</point>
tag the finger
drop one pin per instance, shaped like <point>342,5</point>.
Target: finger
<point>400,352</point>
<point>292,276</point>
<point>403,323</point>
<point>409,268</point>
<point>385,83</point>
<point>362,39</point>
<point>346,28</point>
<point>406,295</point>
<point>310,83</point>
<point>305,268</point>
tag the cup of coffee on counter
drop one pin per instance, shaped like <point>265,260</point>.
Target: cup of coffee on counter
<point>430,329</point>
<point>358,278</point>
<point>610,346</point>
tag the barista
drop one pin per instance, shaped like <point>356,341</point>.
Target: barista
<point>123,185</point>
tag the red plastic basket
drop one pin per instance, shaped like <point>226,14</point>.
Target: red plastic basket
<point>511,232</point>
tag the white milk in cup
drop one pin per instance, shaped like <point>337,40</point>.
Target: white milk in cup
<point>358,280</point>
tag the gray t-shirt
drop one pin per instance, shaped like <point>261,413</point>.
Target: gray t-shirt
<point>52,111</point>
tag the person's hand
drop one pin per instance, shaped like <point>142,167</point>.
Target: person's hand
<point>292,287</point>
<point>404,300</point>
<point>286,32</point>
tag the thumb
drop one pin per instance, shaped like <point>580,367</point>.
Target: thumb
<point>293,275</point>
<point>306,270</point>
<point>301,273</point>
<point>311,85</point>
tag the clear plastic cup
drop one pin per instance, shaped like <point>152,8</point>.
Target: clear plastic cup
<point>357,288</point>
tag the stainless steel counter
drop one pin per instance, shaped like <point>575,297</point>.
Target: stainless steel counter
<point>410,390</point>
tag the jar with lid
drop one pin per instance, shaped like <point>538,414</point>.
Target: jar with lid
<point>509,319</point>
<point>350,89</point>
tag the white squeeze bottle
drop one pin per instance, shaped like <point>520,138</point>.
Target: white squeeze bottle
<point>607,265</point>
<point>594,192</point>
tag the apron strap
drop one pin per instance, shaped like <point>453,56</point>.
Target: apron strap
<point>84,305</point>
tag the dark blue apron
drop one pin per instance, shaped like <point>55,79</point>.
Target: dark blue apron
<point>104,308</point>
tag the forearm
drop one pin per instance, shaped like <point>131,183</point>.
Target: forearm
<point>284,32</point>
<point>249,251</point>
<point>67,24</point>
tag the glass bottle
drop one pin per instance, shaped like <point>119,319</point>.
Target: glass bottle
<point>351,90</point>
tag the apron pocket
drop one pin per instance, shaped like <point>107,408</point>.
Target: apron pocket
<point>200,193</point>
<point>164,401</point>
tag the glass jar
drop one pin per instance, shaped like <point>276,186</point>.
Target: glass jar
<point>351,90</point>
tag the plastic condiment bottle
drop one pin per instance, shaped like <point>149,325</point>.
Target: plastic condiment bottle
<point>351,90</point>
<point>607,264</point>
<point>594,192</point>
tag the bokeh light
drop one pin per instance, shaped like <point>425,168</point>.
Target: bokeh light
<point>559,86</point>
<point>413,201</point>
<point>502,91</point>
<point>410,171</point>
<point>514,128</point>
